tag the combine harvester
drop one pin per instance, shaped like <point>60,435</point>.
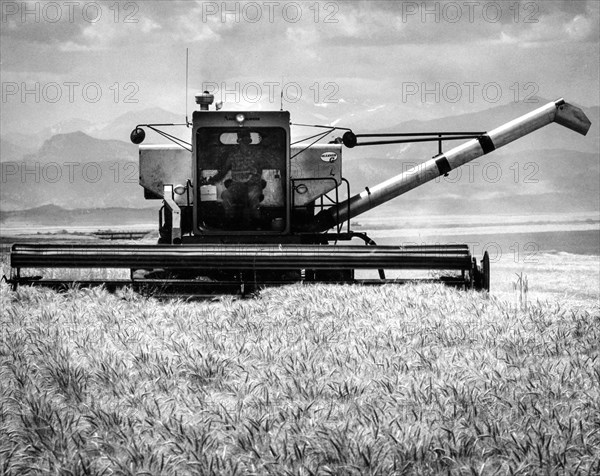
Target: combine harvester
<point>244,208</point>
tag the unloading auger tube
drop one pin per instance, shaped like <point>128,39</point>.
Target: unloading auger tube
<point>557,111</point>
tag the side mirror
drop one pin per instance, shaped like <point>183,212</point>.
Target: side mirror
<point>137,135</point>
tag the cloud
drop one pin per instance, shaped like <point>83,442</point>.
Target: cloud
<point>582,28</point>
<point>367,49</point>
<point>350,24</point>
<point>557,25</point>
<point>72,47</point>
<point>526,23</point>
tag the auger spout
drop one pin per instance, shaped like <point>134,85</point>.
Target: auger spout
<point>557,111</point>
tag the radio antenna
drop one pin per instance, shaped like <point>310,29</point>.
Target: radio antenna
<point>281,95</point>
<point>187,122</point>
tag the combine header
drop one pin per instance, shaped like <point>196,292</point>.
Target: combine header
<point>242,207</point>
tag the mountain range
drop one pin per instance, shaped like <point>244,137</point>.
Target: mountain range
<point>75,164</point>
<point>15,143</point>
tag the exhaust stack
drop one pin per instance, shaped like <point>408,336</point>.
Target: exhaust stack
<point>557,111</point>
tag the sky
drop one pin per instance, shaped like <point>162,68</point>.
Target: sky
<point>345,63</point>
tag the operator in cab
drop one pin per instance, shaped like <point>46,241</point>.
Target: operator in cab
<point>243,194</point>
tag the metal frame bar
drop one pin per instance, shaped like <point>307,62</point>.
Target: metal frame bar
<point>240,257</point>
<point>169,202</point>
<point>176,140</point>
<point>438,137</point>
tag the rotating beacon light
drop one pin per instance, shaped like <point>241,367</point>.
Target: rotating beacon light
<point>204,100</point>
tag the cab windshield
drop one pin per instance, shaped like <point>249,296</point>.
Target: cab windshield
<point>242,182</point>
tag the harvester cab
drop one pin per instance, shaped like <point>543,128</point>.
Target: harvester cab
<point>240,172</point>
<point>244,182</point>
<point>244,206</point>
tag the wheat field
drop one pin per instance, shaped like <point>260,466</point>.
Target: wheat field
<point>307,380</point>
